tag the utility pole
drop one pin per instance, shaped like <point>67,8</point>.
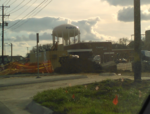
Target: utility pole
<point>37,36</point>
<point>137,41</point>
<point>3,24</point>
<point>11,51</point>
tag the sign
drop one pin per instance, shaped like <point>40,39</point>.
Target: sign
<point>108,52</point>
<point>70,27</point>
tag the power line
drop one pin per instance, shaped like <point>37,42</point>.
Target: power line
<point>17,6</point>
<point>33,15</point>
<point>24,10</point>
<point>22,6</point>
<point>5,1</point>
<point>11,5</point>
<point>8,2</point>
<point>26,15</point>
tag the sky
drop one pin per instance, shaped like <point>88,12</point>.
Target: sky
<point>98,20</point>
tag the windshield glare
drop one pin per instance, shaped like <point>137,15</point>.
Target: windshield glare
<point>74,57</point>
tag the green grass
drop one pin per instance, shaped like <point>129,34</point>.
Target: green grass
<point>90,101</point>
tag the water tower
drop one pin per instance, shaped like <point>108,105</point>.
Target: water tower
<point>66,31</point>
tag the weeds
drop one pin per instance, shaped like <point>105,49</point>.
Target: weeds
<point>88,100</point>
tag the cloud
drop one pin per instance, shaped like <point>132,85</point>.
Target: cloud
<point>125,2</point>
<point>30,37</point>
<point>44,27</point>
<point>25,36</point>
<point>36,24</point>
<point>87,28</point>
<point>127,15</point>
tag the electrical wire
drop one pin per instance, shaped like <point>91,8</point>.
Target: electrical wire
<point>7,2</point>
<point>4,2</point>
<point>33,15</point>
<point>17,6</point>
<point>22,6</point>
<point>10,4</point>
<point>25,10</point>
<point>26,15</point>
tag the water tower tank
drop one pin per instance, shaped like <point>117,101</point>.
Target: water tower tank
<point>147,36</point>
<point>66,31</point>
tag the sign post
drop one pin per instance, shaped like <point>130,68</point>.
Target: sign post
<point>37,36</point>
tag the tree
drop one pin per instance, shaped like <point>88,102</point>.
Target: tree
<point>131,45</point>
<point>123,41</point>
<point>119,46</point>
<point>45,47</point>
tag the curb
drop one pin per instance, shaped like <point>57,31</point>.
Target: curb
<point>36,108</point>
<point>24,75</point>
<point>46,80</point>
<point>4,109</point>
<point>107,74</point>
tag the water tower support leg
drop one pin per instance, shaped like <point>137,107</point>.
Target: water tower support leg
<point>69,41</point>
<point>58,39</point>
<point>66,42</point>
<point>53,40</point>
<point>78,38</point>
<point>62,41</point>
<point>74,39</point>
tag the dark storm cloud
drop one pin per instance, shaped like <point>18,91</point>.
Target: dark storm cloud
<point>125,2</point>
<point>127,15</point>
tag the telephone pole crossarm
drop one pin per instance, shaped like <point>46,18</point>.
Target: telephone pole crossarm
<point>5,6</point>
<point>5,15</point>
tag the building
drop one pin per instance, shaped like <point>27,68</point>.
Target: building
<point>88,49</point>
<point>104,49</point>
<point>123,53</point>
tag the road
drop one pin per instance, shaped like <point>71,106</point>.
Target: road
<point>15,98</point>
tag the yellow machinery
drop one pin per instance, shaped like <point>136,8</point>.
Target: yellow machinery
<point>52,56</point>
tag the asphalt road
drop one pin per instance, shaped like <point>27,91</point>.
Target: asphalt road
<point>16,98</point>
<point>4,109</point>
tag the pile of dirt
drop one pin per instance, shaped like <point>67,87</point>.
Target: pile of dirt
<point>77,65</point>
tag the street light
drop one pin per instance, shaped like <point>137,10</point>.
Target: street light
<point>11,48</point>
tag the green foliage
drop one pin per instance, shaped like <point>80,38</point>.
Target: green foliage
<point>91,101</point>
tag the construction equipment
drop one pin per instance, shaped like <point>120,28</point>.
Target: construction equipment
<point>54,47</point>
<point>71,64</point>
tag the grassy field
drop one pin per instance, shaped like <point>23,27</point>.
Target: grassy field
<point>97,98</point>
